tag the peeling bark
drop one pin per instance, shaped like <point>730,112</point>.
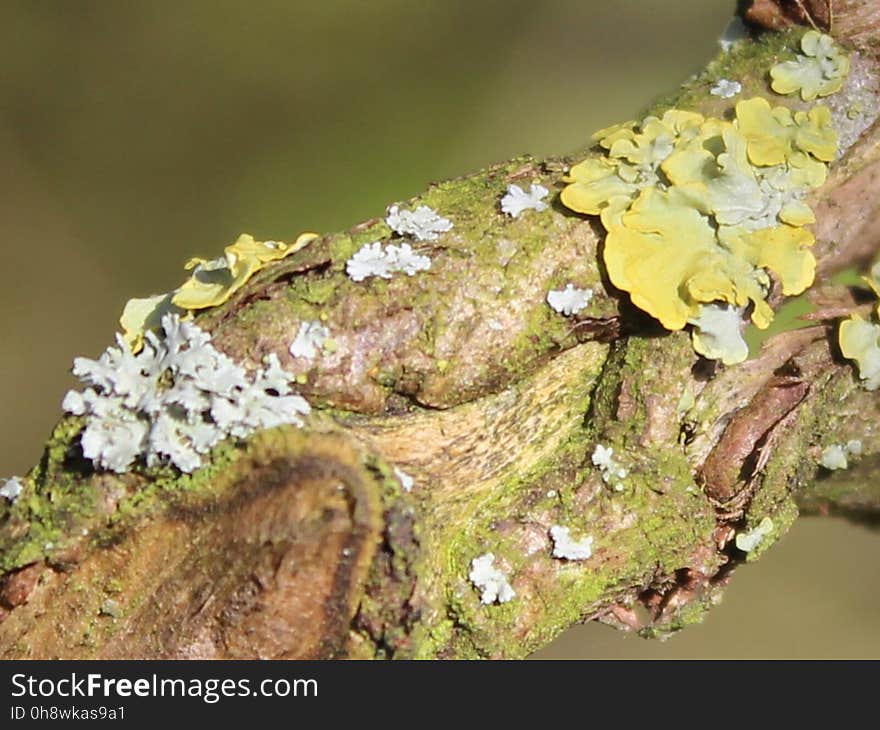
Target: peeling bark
<point>304,544</point>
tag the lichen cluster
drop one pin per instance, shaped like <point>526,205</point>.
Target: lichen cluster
<point>860,338</point>
<point>565,547</point>
<point>516,200</point>
<point>569,301</point>
<point>309,340</point>
<point>11,488</point>
<point>836,456</point>
<point>700,211</point>
<point>211,283</point>
<point>373,259</point>
<point>750,540</point>
<point>175,400</point>
<point>819,71</point>
<point>492,583</point>
<point>421,224</point>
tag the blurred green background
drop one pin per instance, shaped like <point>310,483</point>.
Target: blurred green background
<point>134,135</point>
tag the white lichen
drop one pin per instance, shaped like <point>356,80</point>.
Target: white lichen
<point>748,541</point>
<point>490,581</point>
<point>717,333</point>
<point>570,300</point>
<point>111,608</point>
<point>406,481</point>
<point>820,70</point>
<point>836,456</point>
<point>374,260</point>
<point>566,548</point>
<point>603,456</point>
<point>726,89</point>
<point>11,489</point>
<point>422,224</point>
<point>517,200</point>
<point>175,400</point>
<point>612,472</point>
<point>854,447</point>
<point>309,340</point>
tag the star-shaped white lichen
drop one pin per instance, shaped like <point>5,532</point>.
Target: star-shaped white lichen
<point>309,340</point>
<point>517,200</point>
<point>726,89</point>
<point>422,224</point>
<point>175,400</point>
<point>11,489</point>
<point>570,300</point>
<point>567,548</point>
<point>612,472</point>
<point>374,260</point>
<point>490,581</point>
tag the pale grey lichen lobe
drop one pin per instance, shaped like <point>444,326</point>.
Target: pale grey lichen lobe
<point>492,583</point>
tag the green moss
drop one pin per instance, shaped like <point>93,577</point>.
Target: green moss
<point>317,290</point>
<point>66,495</point>
<point>673,517</point>
<point>749,63</point>
<point>688,614</point>
<point>757,57</point>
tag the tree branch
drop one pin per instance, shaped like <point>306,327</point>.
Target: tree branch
<point>303,543</point>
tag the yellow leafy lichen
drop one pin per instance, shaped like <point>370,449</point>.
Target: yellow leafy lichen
<point>606,186</point>
<point>703,211</point>
<point>784,250</point>
<point>819,71</point>
<point>859,339</point>
<point>211,283</point>
<point>142,315</point>
<point>766,129</point>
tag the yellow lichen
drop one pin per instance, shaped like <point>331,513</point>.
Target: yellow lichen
<point>703,211</point>
<point>819,71</point>
<point>767,131</point>
<point>784,250</point>
<point>860,340</point>
<point>211,284</point>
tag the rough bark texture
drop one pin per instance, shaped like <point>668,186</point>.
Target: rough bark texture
<point>302,543</point>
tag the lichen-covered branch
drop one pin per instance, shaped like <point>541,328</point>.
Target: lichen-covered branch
<point>457,412</point>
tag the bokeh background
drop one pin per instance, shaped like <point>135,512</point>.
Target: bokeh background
<point>134,135</point>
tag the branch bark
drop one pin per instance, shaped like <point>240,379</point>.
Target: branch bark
<point>303,543</point>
